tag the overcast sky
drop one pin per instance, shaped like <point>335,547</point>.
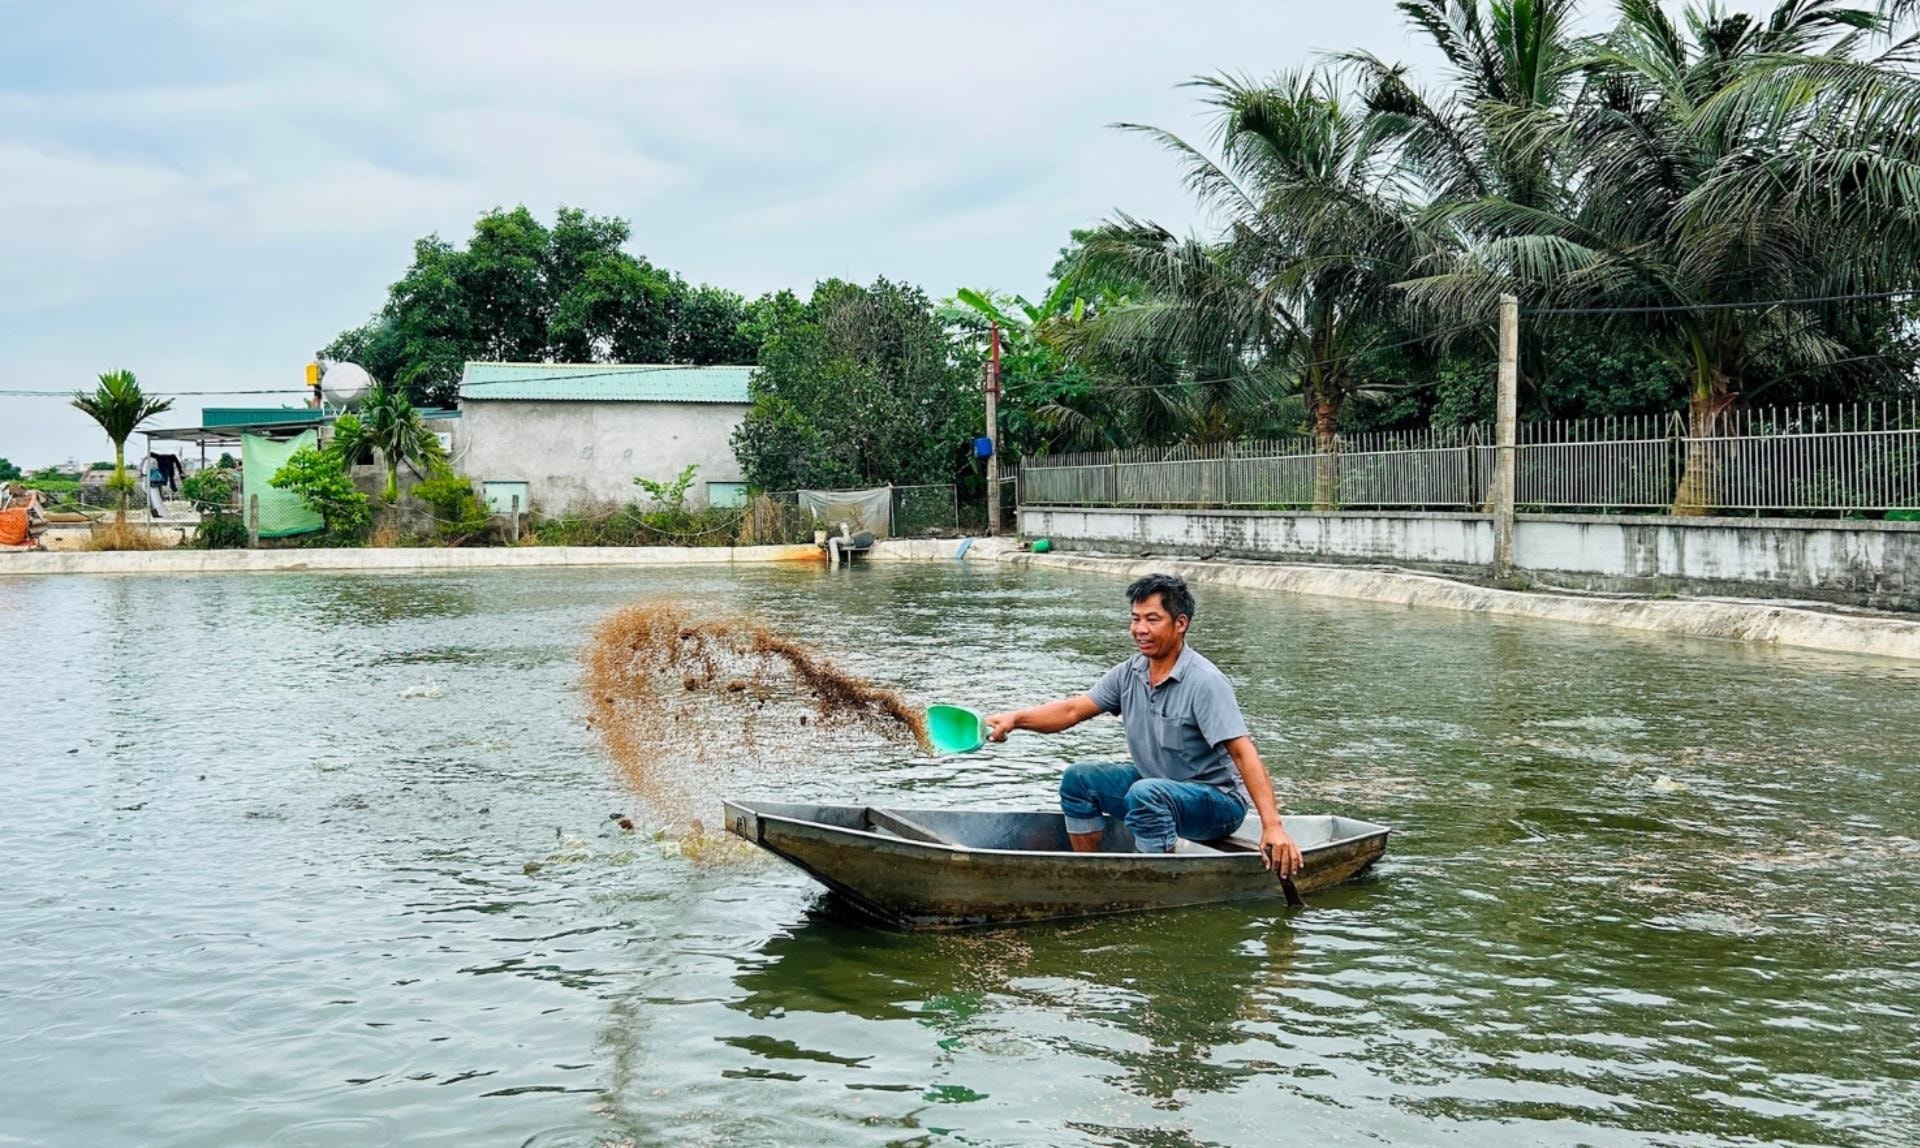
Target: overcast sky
<point>206,193</point>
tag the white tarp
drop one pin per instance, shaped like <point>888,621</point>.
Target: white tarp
<point>869,510</point>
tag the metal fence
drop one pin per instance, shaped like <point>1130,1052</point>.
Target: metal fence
<point>1425,468</point>
<point>1836,459</point>
<point>916,511</point>
<point>923,510</point>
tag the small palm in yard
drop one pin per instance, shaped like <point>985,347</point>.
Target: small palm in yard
<point>119,406</point>
<point>391,426</point>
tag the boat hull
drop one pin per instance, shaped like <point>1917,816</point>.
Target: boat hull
<point>989,868</point>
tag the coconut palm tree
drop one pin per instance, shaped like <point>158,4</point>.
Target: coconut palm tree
<point>1318,227</point>
<point>119,406</point>
<point>1720,168</point>
<point>1497,128</point>
<point>389,425</point>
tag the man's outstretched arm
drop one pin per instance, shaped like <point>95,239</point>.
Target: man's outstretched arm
<point>1275,845</point>
<point>1049,718</point>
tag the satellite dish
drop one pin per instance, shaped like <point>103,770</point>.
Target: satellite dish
<point>345,384</point>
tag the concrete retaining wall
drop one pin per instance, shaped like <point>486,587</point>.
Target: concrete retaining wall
<point>395,560</point>
<point>1739,621</point>
<point>1859,563</point>
<point>1742,621</point>
<point>1447,541</point>
<point>1875,564</point>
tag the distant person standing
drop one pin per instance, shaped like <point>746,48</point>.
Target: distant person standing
<point>156,480</point>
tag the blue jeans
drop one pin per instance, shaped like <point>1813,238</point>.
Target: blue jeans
<point>1155,809</point>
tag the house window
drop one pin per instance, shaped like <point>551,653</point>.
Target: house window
<point>726,495</point>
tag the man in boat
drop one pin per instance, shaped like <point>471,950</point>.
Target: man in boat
<point>1194,771</point>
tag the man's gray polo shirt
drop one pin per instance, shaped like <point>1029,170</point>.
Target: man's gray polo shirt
<point>1177,729</point>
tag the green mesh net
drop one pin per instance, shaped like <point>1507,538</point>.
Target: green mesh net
<point>281,511</point>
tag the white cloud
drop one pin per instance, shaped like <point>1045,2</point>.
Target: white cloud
<point>210,204</point>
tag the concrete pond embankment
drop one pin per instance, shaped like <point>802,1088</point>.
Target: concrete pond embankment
<point>1777,623</point>
<point>1772,623</point>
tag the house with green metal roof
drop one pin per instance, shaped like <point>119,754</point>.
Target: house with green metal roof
<point>561,436</point>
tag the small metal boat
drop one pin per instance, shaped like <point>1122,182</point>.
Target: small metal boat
<point>950,869</point>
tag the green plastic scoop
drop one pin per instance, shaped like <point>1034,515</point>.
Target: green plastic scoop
<point>955,729</point>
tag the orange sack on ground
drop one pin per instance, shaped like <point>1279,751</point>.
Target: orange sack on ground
<point>13,527</point>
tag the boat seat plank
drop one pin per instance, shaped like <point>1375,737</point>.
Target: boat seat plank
<point>1223,845</point>
<point>903,827</point>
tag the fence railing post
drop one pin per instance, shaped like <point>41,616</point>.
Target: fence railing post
<point>253,520</point>
<point>1470,443</point>
<point>1505,429</point>
<point>513,521</point>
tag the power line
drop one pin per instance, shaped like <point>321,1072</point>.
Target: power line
<point>646,369</point>
<point>1665,308</point>
<point>649,368</point>
<point>1327,362</point>
<point>22,393</point>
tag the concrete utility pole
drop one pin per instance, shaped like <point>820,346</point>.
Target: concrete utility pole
<point>993,434</point>
<point>1506,415</point>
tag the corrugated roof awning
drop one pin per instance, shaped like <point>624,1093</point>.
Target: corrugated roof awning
<point>225,425</point>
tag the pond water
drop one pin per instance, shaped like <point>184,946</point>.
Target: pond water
<point>327,860</point>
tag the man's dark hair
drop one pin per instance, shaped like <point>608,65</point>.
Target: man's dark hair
<point>1175,598</point>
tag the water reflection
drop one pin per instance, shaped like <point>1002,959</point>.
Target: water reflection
<point>362,598</point>
<point>342,846</point>
<point>1179,984</point>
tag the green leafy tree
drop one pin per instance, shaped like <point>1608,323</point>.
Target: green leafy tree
<point>710,325</point>
<point>119,406</point>
<point>320,478</point>
<point>520,291</point>
<point>858,386</point>
<point>8,470</point>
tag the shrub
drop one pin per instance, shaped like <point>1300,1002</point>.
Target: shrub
<point>459,511</point>
<point>218,531</point>
<point>668,514</point>
<point>632,525</point>
<point>321,481</point>
<point>206,488</point>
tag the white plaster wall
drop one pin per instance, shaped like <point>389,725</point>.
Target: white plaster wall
<point>1877,559</point>
<point>571,453</point>
<point>1438,539</point>
<point>1875,563</point>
